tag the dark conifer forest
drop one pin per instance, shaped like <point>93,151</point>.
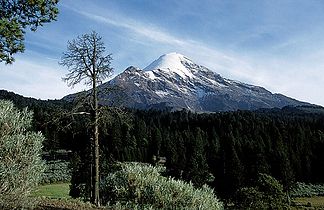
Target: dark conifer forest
<point>225,150</point>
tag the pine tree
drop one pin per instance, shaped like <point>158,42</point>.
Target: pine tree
<point>15,17</point>
<point>197,168</point>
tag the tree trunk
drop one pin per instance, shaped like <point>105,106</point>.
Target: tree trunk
<point>96,200</point>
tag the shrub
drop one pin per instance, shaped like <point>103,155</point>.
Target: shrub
<point>56,171</point>
<point>141,186</point>
<point>307,190</point>
<point>249,198</point>
<point>21,166</point>
<point>266,194</point>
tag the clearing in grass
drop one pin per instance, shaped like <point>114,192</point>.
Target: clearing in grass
<point>60,190</point>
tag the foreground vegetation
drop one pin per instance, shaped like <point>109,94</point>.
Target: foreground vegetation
<point>51,197</point>
<point>141,186</point>
<point>57,171</point>
<point>64,204</point>
<point>56,197</point>
<point>307,190</point>
<point>21,166</point>
<point>266,193</point>
<point>134,186</point>
<point>307,196</point>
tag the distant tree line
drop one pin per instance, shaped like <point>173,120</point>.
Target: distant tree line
<point>226,150</point>
<point>232,147</point>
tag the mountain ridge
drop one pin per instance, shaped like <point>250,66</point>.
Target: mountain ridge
<point>173,82</point>
<point>22,102</point>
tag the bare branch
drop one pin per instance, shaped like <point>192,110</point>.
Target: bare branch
<point>86,61</point>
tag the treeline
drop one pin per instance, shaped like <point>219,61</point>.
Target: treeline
<point>225,150</point>
<point>232,147</point>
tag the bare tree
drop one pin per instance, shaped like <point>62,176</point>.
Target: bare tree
<point>86,61</point>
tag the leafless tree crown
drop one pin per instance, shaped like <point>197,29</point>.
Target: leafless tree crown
<point>86,60</point>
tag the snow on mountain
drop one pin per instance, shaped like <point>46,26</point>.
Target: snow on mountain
<point>173,82</point>
<point>172,63</point>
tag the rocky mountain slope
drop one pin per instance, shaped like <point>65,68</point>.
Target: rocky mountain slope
<point>175,82</point>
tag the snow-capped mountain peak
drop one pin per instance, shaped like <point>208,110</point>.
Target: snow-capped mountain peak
<point>175,82</point>
<point>171,63</point>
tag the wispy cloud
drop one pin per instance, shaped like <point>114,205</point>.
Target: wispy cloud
<point>219,61</point>
<point>151,32</point>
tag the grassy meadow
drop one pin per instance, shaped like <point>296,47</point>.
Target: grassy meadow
<point>307,203</point>
<point>57,191</point>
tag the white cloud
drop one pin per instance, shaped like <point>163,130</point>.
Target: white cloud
<point>301,78</point>
<point>35,79</point>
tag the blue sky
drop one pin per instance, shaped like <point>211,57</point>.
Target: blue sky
<point>277,44</point>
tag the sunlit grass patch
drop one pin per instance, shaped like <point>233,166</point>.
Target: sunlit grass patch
<point>60,190</point>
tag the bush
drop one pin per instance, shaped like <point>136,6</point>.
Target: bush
<point>140,186</point>
<point>56,171</point>
<point>307,190</point>
<point>21,165</point>
<point>249,198</point>
<point>266,194</point>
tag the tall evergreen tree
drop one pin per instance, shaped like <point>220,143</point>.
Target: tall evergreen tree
<point>233,168</point>
<point>197,167</point>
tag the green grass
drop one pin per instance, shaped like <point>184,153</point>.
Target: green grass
<point>53,191</point>
<point>316,202</point>
<point>56,197</point>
